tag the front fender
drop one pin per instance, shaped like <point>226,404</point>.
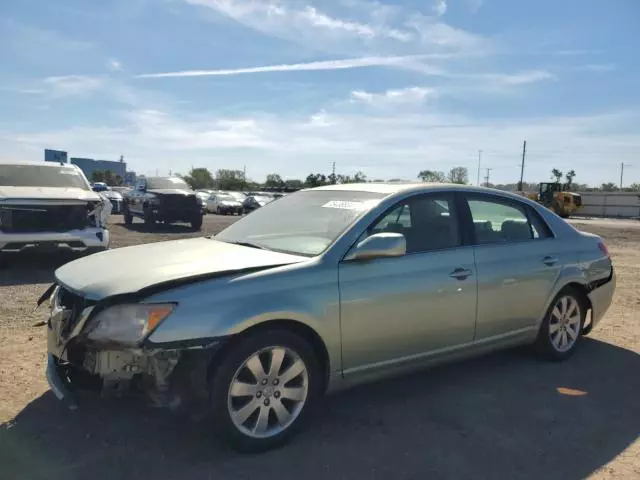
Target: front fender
<point>228,306</point>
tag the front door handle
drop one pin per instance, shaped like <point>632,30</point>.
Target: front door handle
<point>550,261</point>
<point>461,273</point>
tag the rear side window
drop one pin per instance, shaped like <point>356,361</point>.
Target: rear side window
<point>496,221</point>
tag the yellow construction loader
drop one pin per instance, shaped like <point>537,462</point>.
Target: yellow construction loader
<point>557,198</point>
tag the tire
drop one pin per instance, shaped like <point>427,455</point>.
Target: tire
<point>128,218</point>
<point>264,402</point>
<point>555,330</point>
<point>148,218</point>
<point>218,212</point>
<point>196,223</point>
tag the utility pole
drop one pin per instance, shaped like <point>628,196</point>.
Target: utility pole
<point>488,177</point>
<point>479,163</point>
<point>524,152</point>
<point>622,165</point>
<point>244,177</point>
<point>333,173</point>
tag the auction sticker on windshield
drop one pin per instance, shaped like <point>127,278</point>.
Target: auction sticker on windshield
<point>349,205</point>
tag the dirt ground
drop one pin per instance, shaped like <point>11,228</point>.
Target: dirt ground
<point>506,415</point>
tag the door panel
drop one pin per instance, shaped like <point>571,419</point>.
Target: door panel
<point>398,307</point>
<point>514,285</point>
<point>517,261</point>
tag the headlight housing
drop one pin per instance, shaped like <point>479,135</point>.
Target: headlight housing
<point>128,324</point>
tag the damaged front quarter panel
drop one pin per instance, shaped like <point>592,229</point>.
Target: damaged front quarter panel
<point>101,211</point>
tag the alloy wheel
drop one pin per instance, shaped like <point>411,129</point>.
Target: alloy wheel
<point>565,323</point>
<point>268,392</point>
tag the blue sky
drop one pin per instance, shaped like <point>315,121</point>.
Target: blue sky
<point>287,86</point>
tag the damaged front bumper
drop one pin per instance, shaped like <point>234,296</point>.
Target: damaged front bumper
<point>169,376</point>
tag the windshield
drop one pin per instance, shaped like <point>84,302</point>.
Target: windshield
<point>260,198</point>
<point>225,198</point>
<point>41,176</point>
<point>169,182</point>
<point>303,223</point>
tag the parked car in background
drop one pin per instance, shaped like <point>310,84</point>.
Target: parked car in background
<point>324,289</point>
<point>163,199</point>
<point>204,194</point>
<point>224,204</point>
<point>253,202</point>
<point>114,197</point>
<point>239,196</point>
<point>50,207</point>
<point>121,189</point>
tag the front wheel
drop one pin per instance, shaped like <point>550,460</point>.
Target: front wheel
<point>560,331</point>
<point>264,389</point>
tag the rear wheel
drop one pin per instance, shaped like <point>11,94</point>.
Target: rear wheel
<point>196,223</point>
<point>560,331</point>
<point>128,218</point>
<point>264,388</point>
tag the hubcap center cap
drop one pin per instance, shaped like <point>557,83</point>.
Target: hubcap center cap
<point>267,392</point>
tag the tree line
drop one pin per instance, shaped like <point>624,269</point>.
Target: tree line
<point>228,179</point>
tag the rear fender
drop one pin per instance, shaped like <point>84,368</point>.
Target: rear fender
<point>568,275</point>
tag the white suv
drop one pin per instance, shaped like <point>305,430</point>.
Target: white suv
<point>50,207</point>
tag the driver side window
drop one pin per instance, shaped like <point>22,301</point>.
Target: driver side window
<point>428,223</point>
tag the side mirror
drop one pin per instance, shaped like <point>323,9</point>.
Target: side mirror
<point>378,246</point>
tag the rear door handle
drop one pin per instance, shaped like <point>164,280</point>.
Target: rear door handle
<point>461,273</point>
<point>550,261</point>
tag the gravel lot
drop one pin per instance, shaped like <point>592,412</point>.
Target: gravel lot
<point>500,416</point>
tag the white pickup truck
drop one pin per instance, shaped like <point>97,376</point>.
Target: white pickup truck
<point>50,207</point>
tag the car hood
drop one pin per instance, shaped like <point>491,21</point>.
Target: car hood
<point>47,193</point>
<point>171,191</point>
<point>128,270</point>
<point>230,203</point>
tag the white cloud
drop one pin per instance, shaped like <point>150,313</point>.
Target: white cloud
<point>378,27</point>
<point>595,67</point>
<point>387,143</point>
<point>114,65</point>
<point>521,78</point>
<point>291,21</point>
<point>73,85</point>
<point>404,96</point>
<point>440,7</point>
<point>408,61</point>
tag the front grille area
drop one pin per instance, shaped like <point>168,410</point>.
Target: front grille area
<point>42,218</point>
<point>179,203</point>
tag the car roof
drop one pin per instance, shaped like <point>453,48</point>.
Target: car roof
<point>393,187</point>
<point>40,164</point>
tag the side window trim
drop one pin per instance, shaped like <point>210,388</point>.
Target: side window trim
<point>522,207</point>
<point>535,218</point>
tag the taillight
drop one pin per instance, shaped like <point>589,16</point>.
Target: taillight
<point>603,248</point>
